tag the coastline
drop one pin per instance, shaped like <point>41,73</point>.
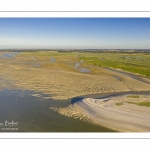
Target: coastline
<point>60,80</point>
<point>125,118</point>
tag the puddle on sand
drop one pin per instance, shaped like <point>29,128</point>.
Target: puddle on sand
<point>77,64</point>
<point>33,58</point>
<point>85,70</point>
<point>37,65</point>
<point>33,114</point>
<point>10,55</point>
<point>52,59</point>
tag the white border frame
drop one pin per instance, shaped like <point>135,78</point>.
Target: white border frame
<point>74,14</point>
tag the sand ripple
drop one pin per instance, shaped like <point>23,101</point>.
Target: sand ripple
<point>73,111</point>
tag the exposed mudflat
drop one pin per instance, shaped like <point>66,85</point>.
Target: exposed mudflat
<point>61,81</point>
<point>58,80</point>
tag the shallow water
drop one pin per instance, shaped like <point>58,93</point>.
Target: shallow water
<point>85,70</point>
<point>33,114</point>
<point>10,55</point>
<point>77,64</point>
<point>52,59</point>
<point>37,65</point>
<point>30,111</point>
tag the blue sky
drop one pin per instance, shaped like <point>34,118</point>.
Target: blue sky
<point>74,33</point>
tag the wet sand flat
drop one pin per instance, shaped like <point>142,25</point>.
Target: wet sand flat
<point>62,80</point>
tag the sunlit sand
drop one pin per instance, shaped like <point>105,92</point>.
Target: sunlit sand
<point>60,80</point>
<point>119,112</point>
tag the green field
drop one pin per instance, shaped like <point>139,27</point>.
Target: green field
<point>133,96</point>
<point>132,62</point>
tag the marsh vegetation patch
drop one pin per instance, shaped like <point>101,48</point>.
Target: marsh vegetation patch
<point>133,96</point>
<point>141,103</point>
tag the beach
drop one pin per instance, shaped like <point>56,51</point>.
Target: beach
<point>118,112</point>
<point>58,77</point>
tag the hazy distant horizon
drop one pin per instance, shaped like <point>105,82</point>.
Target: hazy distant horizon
<point>66,49</point>
<point>75,33</point>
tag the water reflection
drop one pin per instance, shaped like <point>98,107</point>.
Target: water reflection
<point>85,70</point>
<point>77,64</point>
<point>10,55</point>
<point>52,59</point>
<point>33,113</point>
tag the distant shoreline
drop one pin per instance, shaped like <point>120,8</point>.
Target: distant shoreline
<point>77,50</point>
